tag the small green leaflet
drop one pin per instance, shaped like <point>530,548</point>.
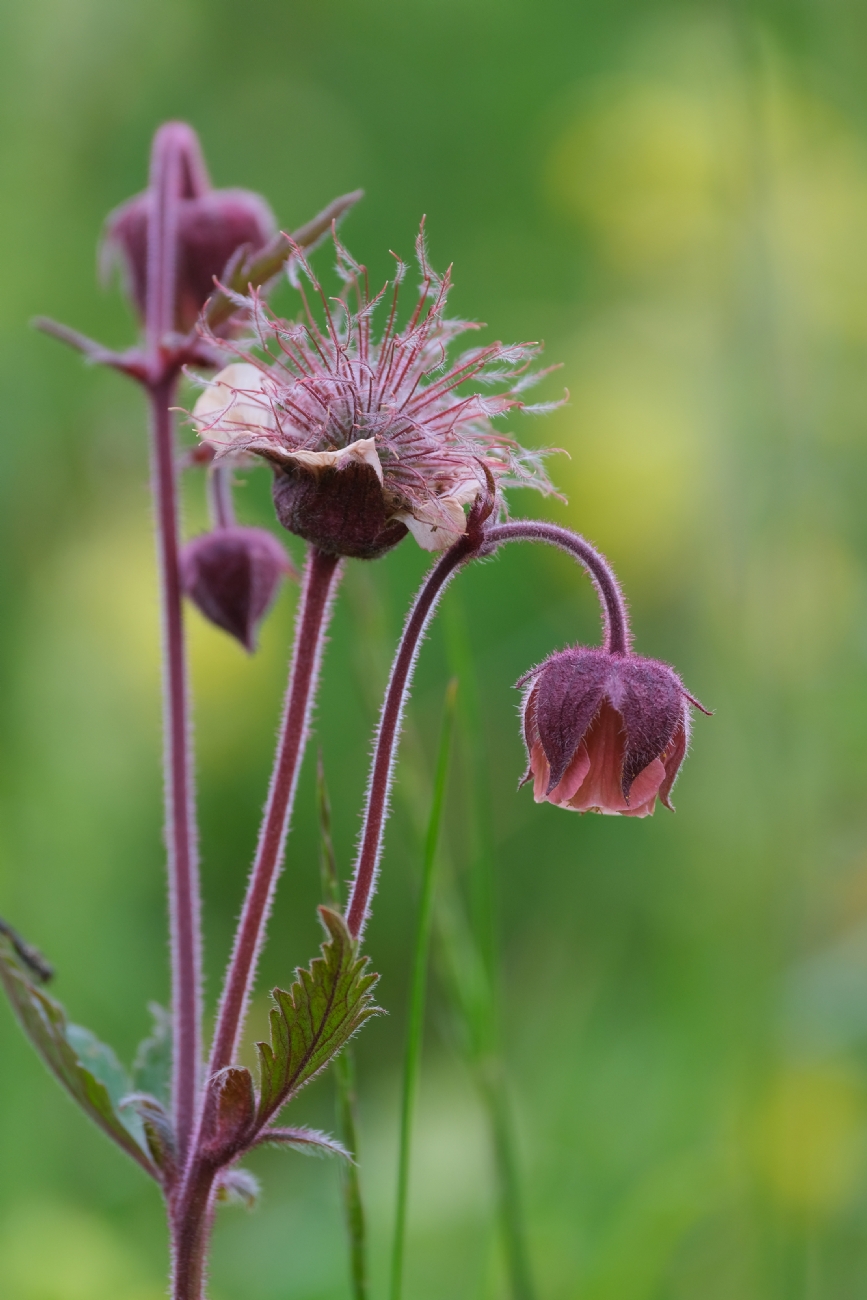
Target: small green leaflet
<point>326,1005</point>
<point>152,1067</point>
<point>88,1069</point>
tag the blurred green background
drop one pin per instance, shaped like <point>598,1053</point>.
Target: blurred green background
<point>674,197</point>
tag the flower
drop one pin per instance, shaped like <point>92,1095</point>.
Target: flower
<point>212,226</point>
<point>370,438</point>
<point>232,575</point>
<point>604,732</point>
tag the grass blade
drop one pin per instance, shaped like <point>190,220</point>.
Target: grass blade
<point>344,1074</point>
<point>470,951</point>
<point>415,1027</point>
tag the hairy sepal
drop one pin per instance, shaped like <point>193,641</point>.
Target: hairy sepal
<point>159,1134</point>
<point>238,1187</point>
<point>326,1005</point>
<point>230,1112</point>
<point>87,1068</point>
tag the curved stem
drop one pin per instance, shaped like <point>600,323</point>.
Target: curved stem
<point>320,578</point>
<point>616,639</point>
<point>396,694</point>
<point>616,636</point>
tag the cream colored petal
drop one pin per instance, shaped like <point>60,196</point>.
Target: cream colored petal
<point>362,452</point>
<point>235,406</point>
<point>435,525</point>
<point>465,493</point>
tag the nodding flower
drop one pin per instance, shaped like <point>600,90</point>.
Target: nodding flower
<point>211,226</point>
<point>605,732</point>
<point>369,437</point>
<point>233,574</point>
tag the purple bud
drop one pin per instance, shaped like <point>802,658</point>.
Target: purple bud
<point>605,732</point>
<point>212,225</point>
<point>232,575</point>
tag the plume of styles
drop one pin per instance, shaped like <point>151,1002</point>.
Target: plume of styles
<point>371,437</point>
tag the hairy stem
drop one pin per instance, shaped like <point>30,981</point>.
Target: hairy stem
<point>191,1228</point>
<point>616,638</point>
<point>320,577</point>
<point>389,730</point>
<point>181,839</point>
<point>170,177</point>
<point>615,620</point>
<point>221,507</point>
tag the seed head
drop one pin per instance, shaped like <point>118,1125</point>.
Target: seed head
<point>371,437</point>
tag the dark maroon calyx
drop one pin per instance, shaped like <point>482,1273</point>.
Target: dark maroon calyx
<point>341,511</point>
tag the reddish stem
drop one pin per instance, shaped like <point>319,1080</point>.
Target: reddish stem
<point>616,638</point>
<point>221,507</point>
<point>381,772</point>
<point>191,1209</point>
<point>320,577</point>
<point>175,170</point>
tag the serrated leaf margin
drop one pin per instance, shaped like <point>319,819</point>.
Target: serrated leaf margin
<point>324,1008</point>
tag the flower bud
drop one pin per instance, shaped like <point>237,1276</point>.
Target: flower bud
<point>604,732</point>
<point>232,575</point>
<point>211,227</point>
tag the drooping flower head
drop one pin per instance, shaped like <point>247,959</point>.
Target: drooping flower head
<point>233,574</point>
<point>371,437</point>
<point>604,732</point>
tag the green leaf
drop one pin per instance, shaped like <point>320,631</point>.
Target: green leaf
<point>326,1005</point>
<point>159,1134</point>
<point>152,1067</point>
<point>88,1069</point>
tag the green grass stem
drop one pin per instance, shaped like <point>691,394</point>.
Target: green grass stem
<point>418,989</point>
<point>470,950</point>
<point>344,1074</point>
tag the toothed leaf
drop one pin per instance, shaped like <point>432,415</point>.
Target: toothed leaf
<point>326,1005</point>
<point>88,1069</point>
